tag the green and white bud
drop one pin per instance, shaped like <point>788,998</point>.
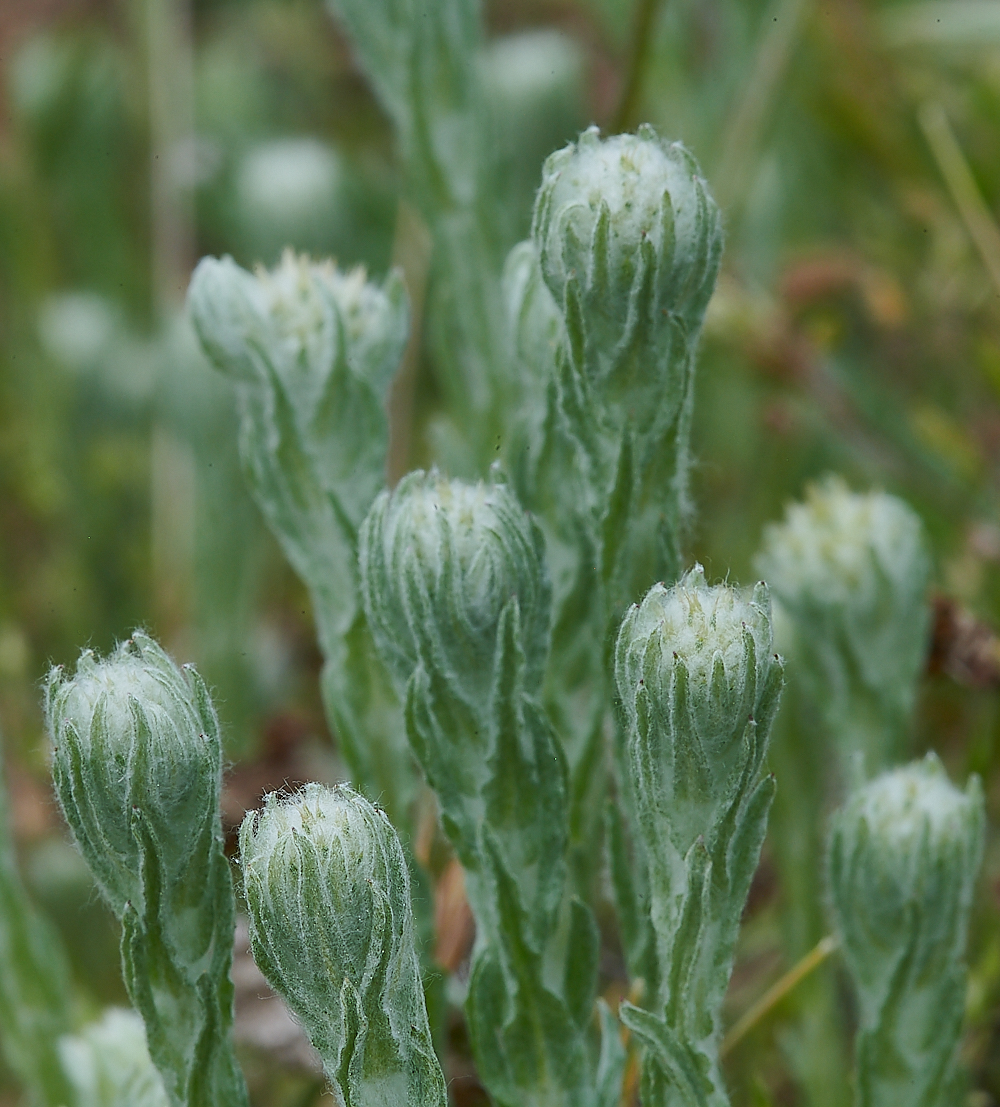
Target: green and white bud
<point>134,733</point>
<point>699,684</point>
<point>136,758</point>
<point>109,1065</point>
<point>629,243</point>
<point>628,225</point>
<point>851,570</point>
<point>311,351</point>
<point>311,313</point>
<point>441,560</point>
<point>457,596</point>
<point>904,857</point>
<point>331,927</point>
<point>698,687</point>
<point>325,342</point>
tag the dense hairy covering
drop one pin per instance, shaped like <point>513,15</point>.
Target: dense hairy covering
<point>904,858</point>
<point>331,928</point>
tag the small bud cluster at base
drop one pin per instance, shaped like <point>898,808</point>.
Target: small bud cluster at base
<point>331,928</point>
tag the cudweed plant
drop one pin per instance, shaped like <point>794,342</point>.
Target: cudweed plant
<point>699,687</point>
<point>851,572</point>
<point>331,927</point>
<point>904,855</point>
<point>524,637</point>
<point>137,763</point>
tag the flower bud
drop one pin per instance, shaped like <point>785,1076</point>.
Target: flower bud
<point>331,928</point>
<point>137,767</point>
<point>133,734</point>
<point>440,561</point>
<point>699,685</point>
<point>631,223</point>
<point>303,314</point>
<point>852,571</point>
<point>317,349</point>
<point>289,190</point>
<point>109,1065</point>
<point>904,856</point>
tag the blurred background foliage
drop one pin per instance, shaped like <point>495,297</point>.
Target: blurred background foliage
<point>856,328</point>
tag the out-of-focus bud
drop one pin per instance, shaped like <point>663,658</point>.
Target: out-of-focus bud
<point>331,928</point>
<point>133,734</point>
<point>290,191</point>
<point>699,685</point>
<point>904,857</point>
<point>109,1064</point>
<point>320,345</point>
<point>440,561</point>
<point>852,571</point>
<point>630,223</point>
<point>311,312</point>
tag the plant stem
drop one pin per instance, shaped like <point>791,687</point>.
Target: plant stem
<point>962,185</point>
<point>777,992</point>
<point>626,116</point>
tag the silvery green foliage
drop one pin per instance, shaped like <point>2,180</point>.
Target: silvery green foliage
<point>904,856</point>
<point>605,304</point>
<point>331,928</point>
<point>312,351</point>
<point>109,1065</point>
<point>851,570</point>
<point>137,764</point>
<point>457,595</point>
<point>421,59</point>
<point>34,985</point>
<point>629,242</point>
<point>699,687</point>
<point>422,63</point>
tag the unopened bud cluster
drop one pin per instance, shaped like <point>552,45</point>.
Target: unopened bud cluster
<point>697,677</point>
<point>331,928</point>
<point>699,687</point>
<point>628,221</point>
<point>440,561</point>
<point>136,759</point>
<point>904,857</point>
<point>851,570</point>
<point>133,734</point>
<point>318,347</point>
<point>305,310</point>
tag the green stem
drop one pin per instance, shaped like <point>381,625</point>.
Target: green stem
<point>626,117</point>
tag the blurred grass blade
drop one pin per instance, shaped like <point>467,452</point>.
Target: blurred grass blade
<point>627,115</point>
<point>974,23</point>
<point>752,105</point>
<point>777,992</point>
<point>976,216</point>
